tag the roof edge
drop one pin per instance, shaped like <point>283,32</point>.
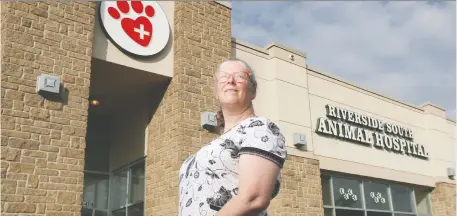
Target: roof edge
<point>227,4</point>
<point>284,47</point>
<point>362,88</point>
<point>250,46</point>
<point>428,103</point>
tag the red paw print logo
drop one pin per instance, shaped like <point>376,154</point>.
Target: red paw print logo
<point>138,27</point>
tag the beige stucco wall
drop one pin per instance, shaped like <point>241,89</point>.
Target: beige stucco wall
<point>161,63</point>
<point>295,95</point>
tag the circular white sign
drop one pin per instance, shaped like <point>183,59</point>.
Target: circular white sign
<point>138,27</point>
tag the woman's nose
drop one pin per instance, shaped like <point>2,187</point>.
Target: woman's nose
<point>231,79</point>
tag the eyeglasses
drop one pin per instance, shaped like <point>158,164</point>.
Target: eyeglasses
<point>240,77</point>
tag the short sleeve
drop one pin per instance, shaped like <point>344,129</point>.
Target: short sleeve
<point>263,138</point>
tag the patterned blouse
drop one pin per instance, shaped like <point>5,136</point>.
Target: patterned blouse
<point>208,179</point>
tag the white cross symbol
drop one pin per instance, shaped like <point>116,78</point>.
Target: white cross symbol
<point>141,31</point>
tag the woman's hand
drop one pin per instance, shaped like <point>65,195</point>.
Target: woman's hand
<point>257,178</point>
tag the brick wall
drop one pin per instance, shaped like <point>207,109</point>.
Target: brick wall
<point>202,40</point>
<point>443,200</point>
<point>43,141</point>
<point>301,190</point>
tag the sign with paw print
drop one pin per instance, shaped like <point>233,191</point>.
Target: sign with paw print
<point>138,27</point>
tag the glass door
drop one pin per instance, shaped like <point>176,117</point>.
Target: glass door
<point>95,194</point>
<point>127,193</point>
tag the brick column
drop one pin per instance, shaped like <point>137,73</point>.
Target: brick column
<point>202,39</point>
<point>43,141</point>
<point>443,199</point>
<point>301,190</point>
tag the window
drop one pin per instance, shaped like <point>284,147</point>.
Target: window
<point>423,201</point>
<point>402,199</point>
<point>95,195</point>
<point>120,193</point>
<point>376,196</point>
<point>346,193</point>
<point>326,193</point>
<point>127,193</point>
<point>344,196</point>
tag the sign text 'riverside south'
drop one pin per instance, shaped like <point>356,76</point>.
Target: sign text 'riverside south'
<point>348,125</point>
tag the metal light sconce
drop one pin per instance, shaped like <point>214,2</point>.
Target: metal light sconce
<point>94,102</point>
<point>450,172</point>
<point>299,140</point>
<point>208,120</point>
<point>49,86</point>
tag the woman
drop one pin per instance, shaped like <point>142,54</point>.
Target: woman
<point>239,172</point>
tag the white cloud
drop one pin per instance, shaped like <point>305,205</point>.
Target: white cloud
<point>402,49</point>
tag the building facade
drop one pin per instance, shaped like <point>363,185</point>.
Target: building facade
<point>135,78</point>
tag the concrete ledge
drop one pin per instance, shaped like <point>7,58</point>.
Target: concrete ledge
<point>227,4</point>
<point>434,109</point>
<point>250,46</point>
<point>353,168</point>
<point>433,105</point>
<point>290,49</point>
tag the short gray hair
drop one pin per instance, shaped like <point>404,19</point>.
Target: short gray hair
<point>247,67</point>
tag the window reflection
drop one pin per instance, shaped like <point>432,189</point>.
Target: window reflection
<point>100,213</point>
<point>120,212</point>
<point>402,199</point>
<point>326,193</point>
<point>347,212</point>
<point>376,196</point>
<point>86,212</point>
<point>119,190</point>
<point>346,192</point>
<point>95,194</point>
<point>371,213</point>
<point>422,204</point>
<point>328,212</point>
<point>128,191</point>
<point>137,184</point>
<point>136,210</point>
<point>379,199</point>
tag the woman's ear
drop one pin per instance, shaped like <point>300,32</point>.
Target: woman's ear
<point>253,95</point>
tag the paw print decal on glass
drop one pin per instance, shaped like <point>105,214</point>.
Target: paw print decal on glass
<point>348,194</point>
<point>377,197</point>
<point>138,27</point>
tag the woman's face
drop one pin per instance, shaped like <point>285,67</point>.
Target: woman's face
<point>232,84</point>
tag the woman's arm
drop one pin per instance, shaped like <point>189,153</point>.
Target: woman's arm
<point>257,178</point>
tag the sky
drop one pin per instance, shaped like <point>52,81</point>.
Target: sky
<point>404,50</point>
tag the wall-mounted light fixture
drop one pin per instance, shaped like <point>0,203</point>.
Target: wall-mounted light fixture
<point>299,140</point>
<point>94,102</point>
<point>49,86</point>
<point>451,172</point>
<point>208,120</point>
<point>292,57</point>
